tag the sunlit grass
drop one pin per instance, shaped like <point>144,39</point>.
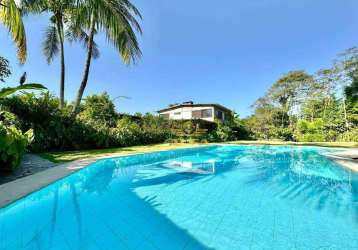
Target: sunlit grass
<point>67,156</point>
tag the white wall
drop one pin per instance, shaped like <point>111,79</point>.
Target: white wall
<point>185,113</point>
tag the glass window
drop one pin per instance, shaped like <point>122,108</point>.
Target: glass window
<point>177,113</point>
<point>207,113</point>
<point>219,115</point>
<point>165,116</point>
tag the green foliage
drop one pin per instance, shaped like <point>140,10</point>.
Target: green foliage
<point>98,125</point>
<point>98,109</point>
<point>288,87</point>
<point>12,146</point>
<point>117,20</point>
<point>310,131</point>
<point>4,92</point>
<point>10,16</point>
<point>4,69</point>
<point>305,108</point>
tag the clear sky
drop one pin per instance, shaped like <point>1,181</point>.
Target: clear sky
<point>226,52</point>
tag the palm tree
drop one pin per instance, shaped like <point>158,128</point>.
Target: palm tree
<point>53,43</point>
<point>115,18</point>
<point>10,16</point>
<point>62,12</point>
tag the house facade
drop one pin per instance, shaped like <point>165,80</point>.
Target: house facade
<point>191,111</point>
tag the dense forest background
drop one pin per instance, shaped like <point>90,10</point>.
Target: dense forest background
<point>304,107</point>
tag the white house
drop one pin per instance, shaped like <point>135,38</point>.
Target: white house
<point>191,111</point>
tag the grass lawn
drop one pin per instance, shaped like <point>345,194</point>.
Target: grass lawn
<point>67,156</point>
<point>75,155</point>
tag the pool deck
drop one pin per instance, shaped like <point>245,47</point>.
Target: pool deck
<point>19,188</point>
<point>22,187</point>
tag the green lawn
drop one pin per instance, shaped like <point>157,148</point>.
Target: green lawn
<point>67,156</point>
<point>75,155</point>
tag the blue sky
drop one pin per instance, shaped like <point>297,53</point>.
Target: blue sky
<point>226,52</point>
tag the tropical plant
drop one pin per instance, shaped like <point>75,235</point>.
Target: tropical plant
<point>11,17</point>
<point>4,92</point>
<point>12,142</point>
<point>53,43</point>
<point>115,18</point>
<point>4,69</point>
<point>98,109</point>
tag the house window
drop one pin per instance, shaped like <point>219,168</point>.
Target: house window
<point>177,113</point>
<point>207,113</point>
<point>196,114</point>
<point>219,115</point>
<point>165,116</point>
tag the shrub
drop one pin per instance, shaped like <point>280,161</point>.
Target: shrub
<point>12,146</point>
<point>310,131</point>
<point>351,135</point>
<point>56,130</point>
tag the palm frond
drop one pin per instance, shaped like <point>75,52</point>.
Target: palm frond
<point>10,16</point>
<point>77,34</point>
<point>116,19</point>
<point>4,92</point>
<point>50,45</point>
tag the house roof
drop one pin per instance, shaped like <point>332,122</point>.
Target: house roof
<point>183,105</point>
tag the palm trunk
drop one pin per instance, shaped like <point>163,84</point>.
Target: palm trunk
<point>62,63</point>
<point>86,69</point>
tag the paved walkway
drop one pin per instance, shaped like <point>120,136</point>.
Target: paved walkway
<point>30,164</point>
<point>23,184</point>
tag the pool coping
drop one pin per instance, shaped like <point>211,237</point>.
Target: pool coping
<point>17,189</point>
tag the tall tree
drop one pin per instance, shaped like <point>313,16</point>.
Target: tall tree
<point>288,89</point>
<point>325,87</point>
<point>10,16</point>
<point>348,65</point>
<point>4,69</point>
<point>117,20</point>
<point>53,43</point>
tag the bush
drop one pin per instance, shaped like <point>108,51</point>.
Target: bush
<point>95,127</point>
<point>349,136</point>
<point>12,146</point>
<point>310,131</point>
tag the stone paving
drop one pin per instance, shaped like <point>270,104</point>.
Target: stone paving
<point>30,164</point>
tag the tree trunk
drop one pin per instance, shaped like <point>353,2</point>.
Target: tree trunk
<point>345,113</point>
<point>86,69</point>
<point>62,63</point>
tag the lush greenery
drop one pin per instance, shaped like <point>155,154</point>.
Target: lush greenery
<point>12,142</point>
<point>56,125</point>
<point>299,106</point>
<point>304,107</point>
<point>97,126</point>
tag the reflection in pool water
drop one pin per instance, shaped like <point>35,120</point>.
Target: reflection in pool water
<point>216,197</point>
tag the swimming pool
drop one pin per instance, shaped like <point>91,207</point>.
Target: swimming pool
<point>215,197</point>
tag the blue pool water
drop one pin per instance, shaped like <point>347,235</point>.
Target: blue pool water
<point>216,197</point>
